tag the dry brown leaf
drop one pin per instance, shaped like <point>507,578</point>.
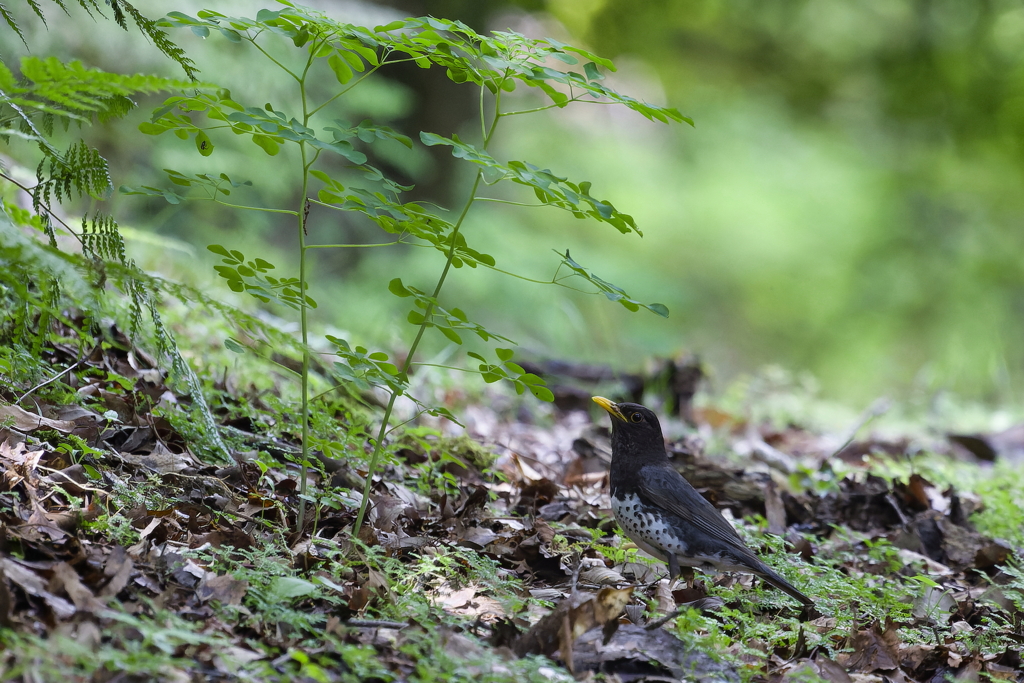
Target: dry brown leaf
<point>88,634</point>
<point>477,536</point>
<point>119,570</point>
<point>525,471</point>
<point>235,655</point>
<point>874,649</point>
<point>663,594</point>
<point>232,537</point>
<point>544,531</point>
<point>161,460</point>
<point>454,599</point>
<point>33,584</point>
<point>774,509</point>
<point>655,655</point>
<point>469,601</point>
<point>25,421</point>
<point>66,577</point>
<point>223,588</point>
<point>602,576</point>
<point>536,494</point>
<point>820,668</point>
<point>572,618</point>
<point>1002,673</point>
<point>913,657</point>
<point>139,548</point>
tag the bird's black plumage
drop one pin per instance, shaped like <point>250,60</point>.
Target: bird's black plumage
<point>662,513</point>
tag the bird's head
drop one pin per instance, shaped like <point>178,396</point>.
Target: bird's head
<point>635,429</point>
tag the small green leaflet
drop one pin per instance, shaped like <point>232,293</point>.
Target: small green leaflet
<point>611,291</point>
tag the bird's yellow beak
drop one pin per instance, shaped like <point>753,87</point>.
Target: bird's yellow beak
<point>611,407</point>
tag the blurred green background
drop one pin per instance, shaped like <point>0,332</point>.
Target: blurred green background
<point>849,203</point>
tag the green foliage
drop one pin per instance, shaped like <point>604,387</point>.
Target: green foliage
<point>28,265</point>
<point>505,369</point>
<point>250,277</point>
<point>549,189</point>
<point>1003,514</point>
<point>147,646</point>
<point>213,187</point>
<point>72,92</point>
<point>120,10</point>
<point>47,91</point>
<point>611,291</point>
<point>114,526</point>
<point>496,63</point>
<point>1015,589</point>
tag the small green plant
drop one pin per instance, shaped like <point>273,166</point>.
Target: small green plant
<point>148,645</point>
<point>36,96</point>
<point>495,64</point>
<point>1015,589</point>
<point>76,448</point>
<point>152,493</point>
<point>114,526</point>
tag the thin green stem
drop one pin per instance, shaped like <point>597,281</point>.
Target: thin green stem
<point>483,120</point>
<point>284,368</point>
<point>324,393</point>
<point>530,111</point>
<point>506,201</point>
<point>357,82</point>
<point>344,91</point>
<point>552,106</point>
<point>378,447</point>
<point>517,276</point>
<point>446,367</point>
<point>303,308</point>
<point>352,246</point>
<point>250,208</point>
<point>555,280</point>
<point>282,66</point>
<point>305,71</point>
<point>402,424</point>
<point>325,204</point>
<point>29,192</point>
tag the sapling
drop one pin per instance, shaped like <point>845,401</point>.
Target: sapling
<point>496,65</point>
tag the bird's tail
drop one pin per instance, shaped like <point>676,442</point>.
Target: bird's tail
<point>786,587</point>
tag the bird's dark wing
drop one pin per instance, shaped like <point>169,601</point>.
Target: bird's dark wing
<point>667,489</point>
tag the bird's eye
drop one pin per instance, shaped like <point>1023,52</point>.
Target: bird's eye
<point>636,417</point>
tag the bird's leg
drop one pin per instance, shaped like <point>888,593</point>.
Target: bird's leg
<point>577,560</point>
<point>673,568</point>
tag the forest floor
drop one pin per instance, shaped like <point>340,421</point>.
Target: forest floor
<point>489,552</point>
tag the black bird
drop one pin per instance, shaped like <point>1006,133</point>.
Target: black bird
<point>662,513</point>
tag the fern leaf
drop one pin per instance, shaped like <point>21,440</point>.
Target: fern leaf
<point>158,37</point>
<point>81,170</point>
<point>100,238</point>
<point>9,18</point>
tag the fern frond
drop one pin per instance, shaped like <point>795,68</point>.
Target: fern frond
<point>100,238</point>
<point>80,170</point>
<point>157,36</point>
<point>119,8</point>
<point>36,275</point>
<point>9,18</point>
<point>116,108</point>
<point>71,89</point>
